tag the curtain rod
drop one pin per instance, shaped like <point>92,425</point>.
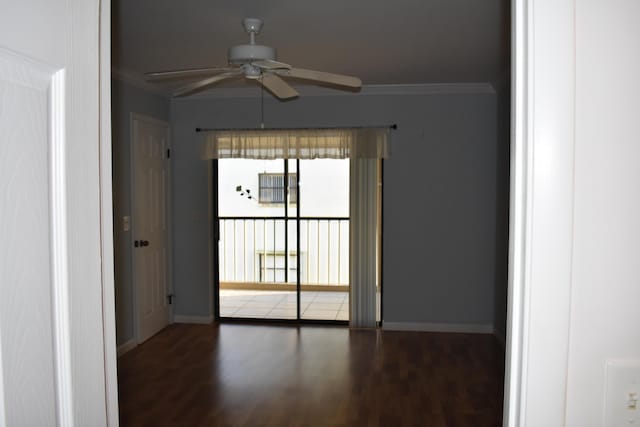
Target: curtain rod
<point>393,126</point>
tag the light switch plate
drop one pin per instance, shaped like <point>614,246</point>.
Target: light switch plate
<point>126,223</point>
<point>622,407</point>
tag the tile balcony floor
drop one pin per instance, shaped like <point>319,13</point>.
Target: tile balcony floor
<point>282,304</point>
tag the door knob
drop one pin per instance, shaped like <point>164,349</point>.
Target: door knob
<point>144,243</point>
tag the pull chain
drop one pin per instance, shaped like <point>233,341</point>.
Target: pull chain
<point>261,103</point>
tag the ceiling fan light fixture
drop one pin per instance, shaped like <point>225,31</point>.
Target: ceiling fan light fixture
<point>251,71</point>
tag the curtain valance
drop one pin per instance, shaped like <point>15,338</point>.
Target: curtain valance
<point>296,143</point>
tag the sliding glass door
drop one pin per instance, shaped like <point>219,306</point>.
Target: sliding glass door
<point>324,239</point>
<point>283,239</point>
<point>256,270</point>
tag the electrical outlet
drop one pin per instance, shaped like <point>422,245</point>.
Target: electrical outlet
<point>126,223</point>
<point>622,391</point>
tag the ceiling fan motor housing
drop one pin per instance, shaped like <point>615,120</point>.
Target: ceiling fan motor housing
<point>247,53</point>
<point>244,53</point>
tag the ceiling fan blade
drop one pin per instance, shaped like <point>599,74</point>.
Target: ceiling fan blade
<point>201,85</point>
<point>180,74</point>
<point>269,64</point>
<point>277,86</point>
<point>320,76</point>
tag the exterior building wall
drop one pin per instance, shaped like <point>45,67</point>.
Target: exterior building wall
<point>253,250</point>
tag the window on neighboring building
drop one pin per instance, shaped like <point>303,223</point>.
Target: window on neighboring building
<point>272,188</point>
<point>272,267</point>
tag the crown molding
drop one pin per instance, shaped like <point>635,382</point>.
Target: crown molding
<point>309,91</point>
<point>367,90</point>
<point>430,89</point>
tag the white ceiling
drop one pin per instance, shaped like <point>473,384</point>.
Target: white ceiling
<point>384,42</point>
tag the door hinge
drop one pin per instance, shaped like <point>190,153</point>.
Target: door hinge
<point>170,298</point>
<point>168,153</point>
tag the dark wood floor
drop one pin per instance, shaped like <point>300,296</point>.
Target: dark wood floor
<point>263,375</point>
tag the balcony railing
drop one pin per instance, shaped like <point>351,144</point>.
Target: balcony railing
<point>260,252</point>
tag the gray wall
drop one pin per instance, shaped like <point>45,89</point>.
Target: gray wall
<point>441,197</point>
<point>126,99</point>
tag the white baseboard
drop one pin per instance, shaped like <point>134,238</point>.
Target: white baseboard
<point>467,328</point>
<point>129,345</point>
<point>203,320</point>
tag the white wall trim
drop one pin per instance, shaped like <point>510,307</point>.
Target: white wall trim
<point>106,218</point>
<point>541,213</point>
<point>204,320</point>
<point>467,328</point>
<point>127,346</point>
<point>513,399</point>
<point>60,250</point>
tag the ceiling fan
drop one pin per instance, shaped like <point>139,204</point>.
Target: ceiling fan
<point>255,62</point>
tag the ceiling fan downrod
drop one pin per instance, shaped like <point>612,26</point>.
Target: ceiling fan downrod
<point>252,26</point>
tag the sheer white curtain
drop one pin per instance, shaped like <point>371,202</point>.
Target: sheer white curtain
<point>363,208</point>
<point>364,147</point>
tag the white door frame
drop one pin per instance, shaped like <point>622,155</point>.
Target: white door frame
<point>541,213</point>
<point>543,78</point>
<point>106,214</point>
<point>132,234</point>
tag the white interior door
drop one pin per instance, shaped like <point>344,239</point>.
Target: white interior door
<point>26,276</point>
<point>53,369</point>
<point>150,173</point>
